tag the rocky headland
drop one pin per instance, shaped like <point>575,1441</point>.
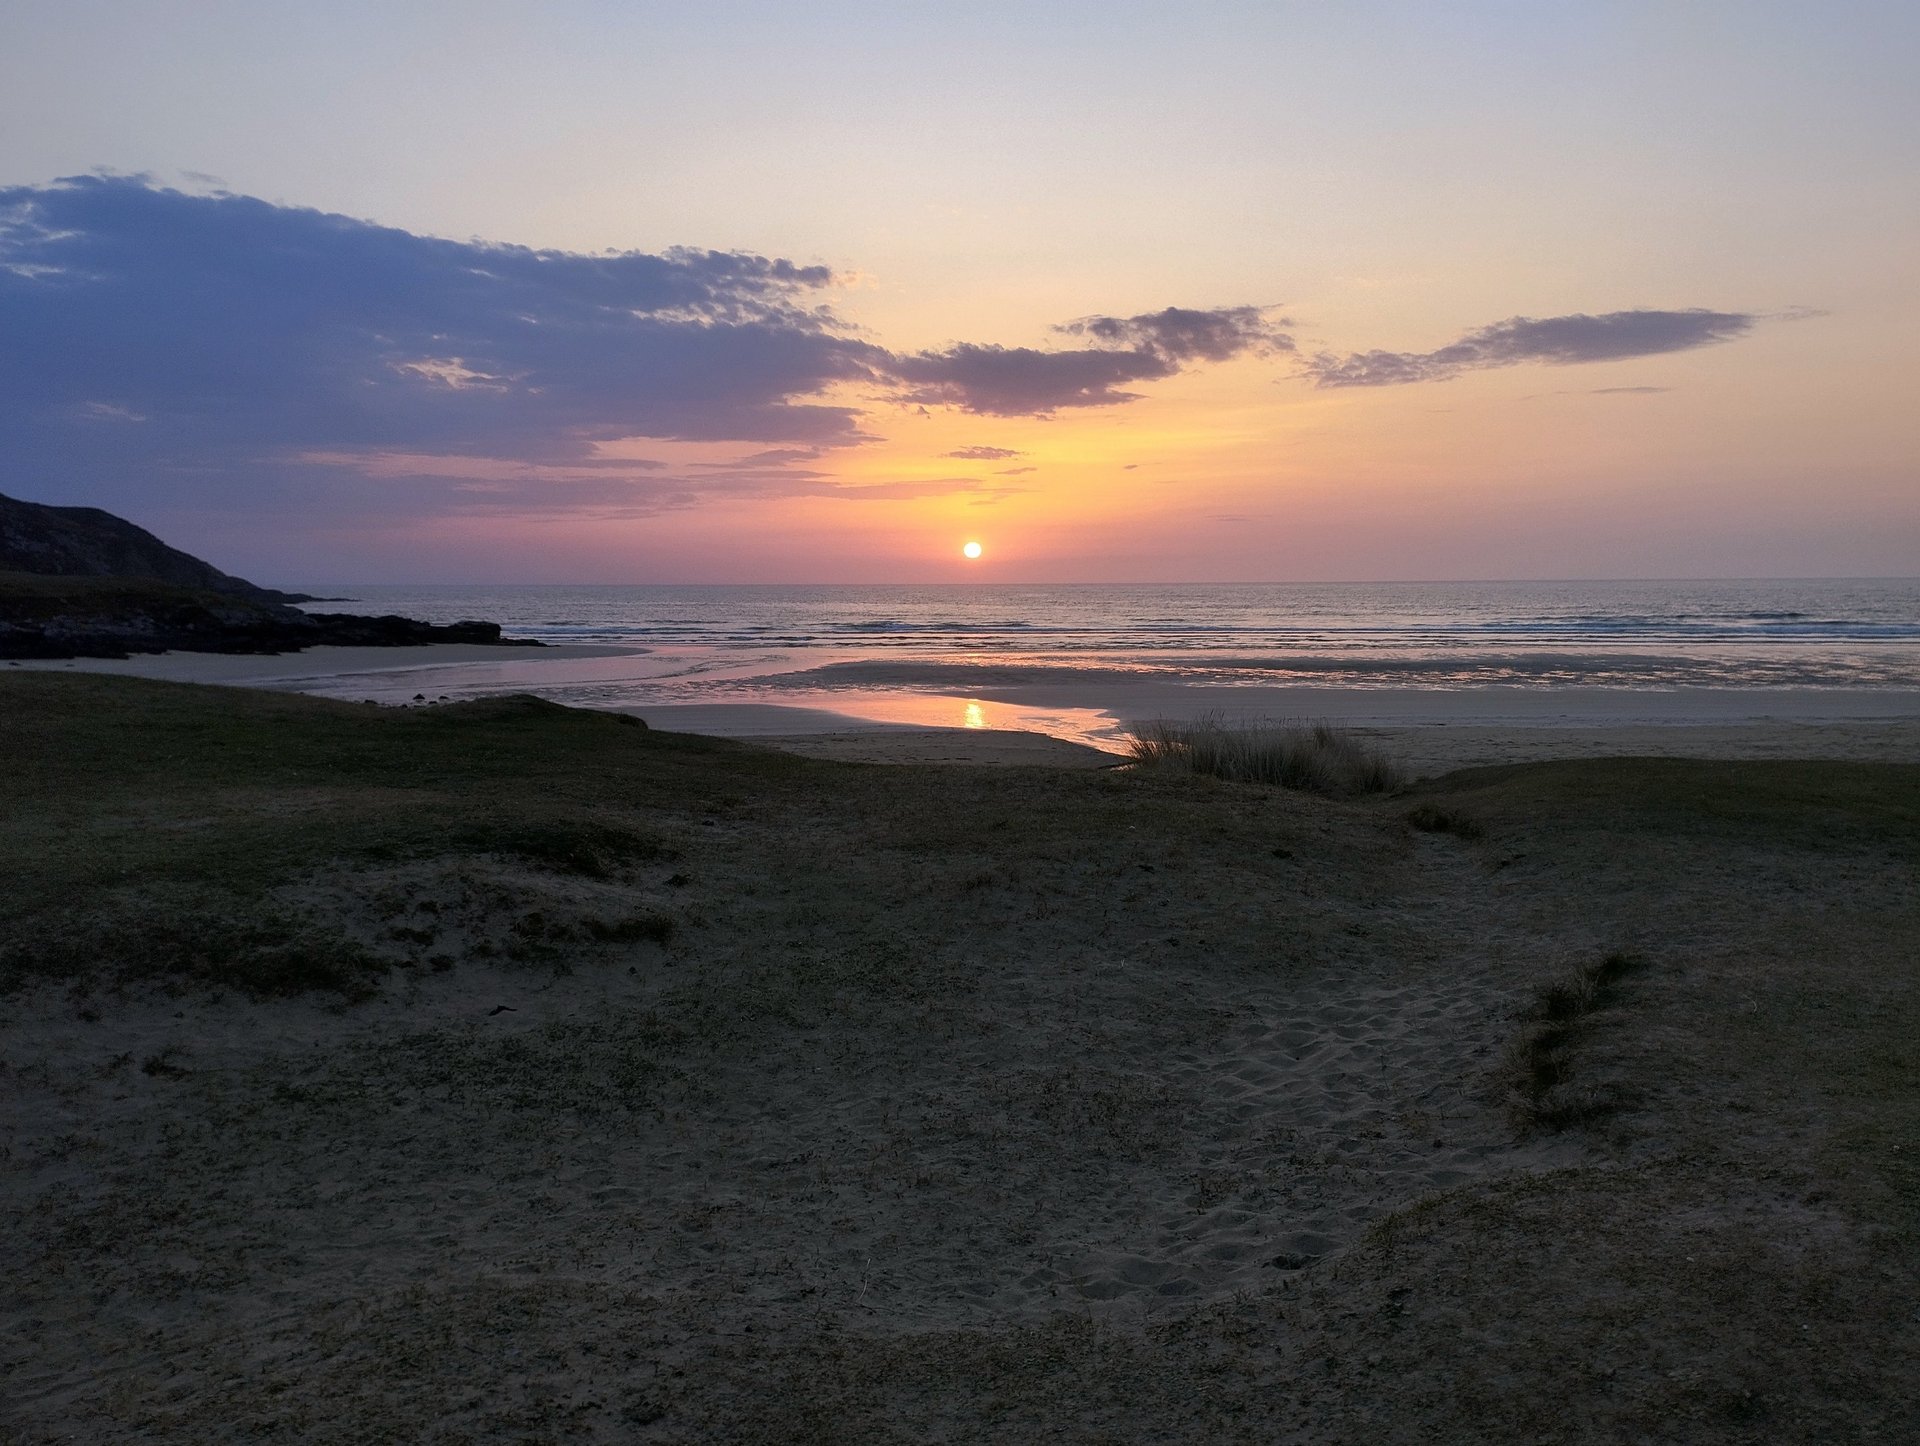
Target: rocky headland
<point>77,582</point>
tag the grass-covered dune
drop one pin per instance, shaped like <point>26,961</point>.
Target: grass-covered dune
<point>505,1072</point>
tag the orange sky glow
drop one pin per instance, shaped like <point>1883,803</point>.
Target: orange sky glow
<point>1255,293</point>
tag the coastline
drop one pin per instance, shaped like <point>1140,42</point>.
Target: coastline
<point>1077,717</point>
<point>315,664</point>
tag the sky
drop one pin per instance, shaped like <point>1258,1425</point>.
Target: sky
<point>820,292</point>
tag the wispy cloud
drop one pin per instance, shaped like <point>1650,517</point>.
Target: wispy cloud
<point>419,485</point>
<point>1554,341</point>
<point>922,487</point>
<point>983,454</point>
<point>775,457</point>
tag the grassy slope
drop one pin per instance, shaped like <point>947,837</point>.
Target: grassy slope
<point>175,812</point>
<point>1733,1259</point>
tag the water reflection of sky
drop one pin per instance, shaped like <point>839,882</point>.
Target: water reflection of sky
<point>719,644</point>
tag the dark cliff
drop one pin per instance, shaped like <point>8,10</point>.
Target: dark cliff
<point>76,582</point>
<point>86,542</point>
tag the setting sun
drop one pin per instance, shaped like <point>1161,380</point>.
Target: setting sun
<point>972,549</point>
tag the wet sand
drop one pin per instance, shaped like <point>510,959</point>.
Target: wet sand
<point>904,712</point>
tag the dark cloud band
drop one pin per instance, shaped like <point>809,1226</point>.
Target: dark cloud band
<point>1018,381</point>
<point>1183,336</point>
<point>1126,350</point>
<point>217,330</point>
<point>1553,340</point>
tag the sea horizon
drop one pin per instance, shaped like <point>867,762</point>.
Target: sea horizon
<point>1851,632</point>
<point>971,584</point>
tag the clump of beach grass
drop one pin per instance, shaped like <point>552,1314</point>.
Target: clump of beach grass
<point>1543,1093</point>
<point>1429,818</point>
<point>1312,757</point>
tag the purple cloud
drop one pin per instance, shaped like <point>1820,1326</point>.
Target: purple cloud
<point>1024,382</point>
<point>1553,341</point>
<point>1180,334</point>
<point>144,330</point>
<point>1021,382</point>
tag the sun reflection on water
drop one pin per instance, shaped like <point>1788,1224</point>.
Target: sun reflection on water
<point>976,716</point>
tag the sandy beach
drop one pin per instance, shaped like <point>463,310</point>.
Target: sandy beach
<point>895,712</point>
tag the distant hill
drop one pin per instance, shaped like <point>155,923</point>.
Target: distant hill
<point>86,542</point>
<point>76,582</point>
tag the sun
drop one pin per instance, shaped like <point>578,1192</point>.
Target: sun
<point>971,550</point>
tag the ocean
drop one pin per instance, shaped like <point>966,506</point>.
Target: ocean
<point>1079,662</point>
<point>1798,633</point>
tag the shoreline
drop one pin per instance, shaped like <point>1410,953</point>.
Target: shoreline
<point>323,661</point>
<point>1083,722</point>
